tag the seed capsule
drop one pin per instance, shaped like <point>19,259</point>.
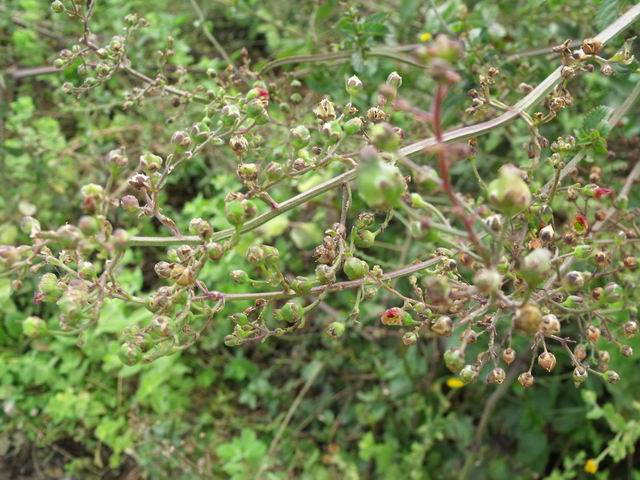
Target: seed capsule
<point>547,360</point>
<point>509,355</point>
<point>592,333</point>
<point>580,375</point>
<point>454,359</point>
<point>528,318</point>
<point>526,379</point>
<point>442,326</point>
<point>630,328</point>
<point>469,374</point>
<point>550,324</point>
<point>496,376</point>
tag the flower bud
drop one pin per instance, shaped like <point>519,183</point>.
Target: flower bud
<point>87,271</point>
<point>353,86</point>
<point>613,292</point>
<point>582,251</point>
<point>92,190</point>
<point>526,379</point>
<point>120,238</point>
<point>392,316</point>
<point>454,359</point>
<point>336,329</point>
<point>509,193</point>
<point>536,266</point>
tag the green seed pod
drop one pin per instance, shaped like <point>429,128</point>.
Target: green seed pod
<point>354,268</point>
<point>509,193</point>
<point>611,377</point>
<point>613,292</point>
<point>271,255</point>
<point>487,281</point>
<point>130,354</point>
<point>240,318</point>
<point>290,312</point>
<point>300,136</point>
<point>325,274</point>
<point>333,130</point>
<point>454,359</point>
<point>526,379</point>
<point>215,251</point>
<point>34,327</point>
<point>87,271</point>
<point>255,255</point>
<point>582,251</point>
<point>536,266</point>
<point>528,318</point>
<point>150,162</point>
<point>234,212</point>
<point>384,137</point>
<point>436,289</point>
<point>49,287</point>
<point>469,374</point>
<point>336,329</point>
<point>239,276</point>
<point>353,86</point>
<point>496,376</point>
<point>409,338</point>
<point>364,239</point>
<point>302,285</point>
<point>353,126</point>
<point>442,326</point>
<point>380,184</point>
<point>580,375</point>
<point>57,6</point>
<point>573,281</point>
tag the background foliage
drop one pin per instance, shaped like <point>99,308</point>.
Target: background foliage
<point>304,405</point>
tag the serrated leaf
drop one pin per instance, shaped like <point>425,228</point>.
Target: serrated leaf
<point>596,117</point>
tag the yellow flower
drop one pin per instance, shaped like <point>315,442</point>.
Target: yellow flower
<point>425,37</point>
<point>454,382</point>
<point>591,466</point>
